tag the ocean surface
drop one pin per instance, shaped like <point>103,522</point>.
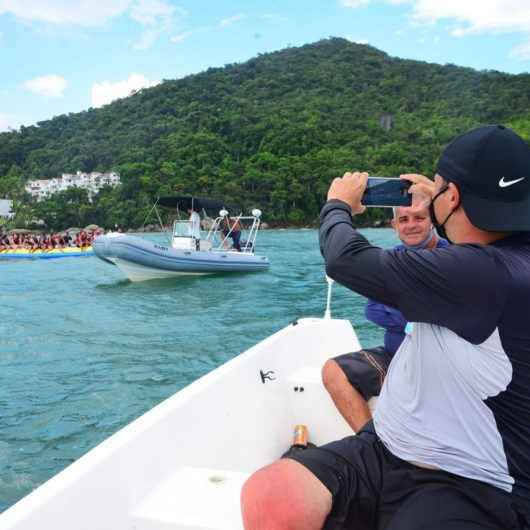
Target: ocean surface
<point>84,351</point>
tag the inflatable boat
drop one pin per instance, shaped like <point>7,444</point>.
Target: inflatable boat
<point>187,252</point>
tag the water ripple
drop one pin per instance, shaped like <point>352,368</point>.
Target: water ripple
<point>83,351</point>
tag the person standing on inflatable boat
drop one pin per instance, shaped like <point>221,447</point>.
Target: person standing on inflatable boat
<point>449,445</point>
<point>195,223</point>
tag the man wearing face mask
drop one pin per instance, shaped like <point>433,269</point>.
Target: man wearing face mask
<point>353,378</point>
<point>449,445</point>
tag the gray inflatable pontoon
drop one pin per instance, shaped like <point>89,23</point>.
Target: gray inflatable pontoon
<point>140,259</point>
<point>188,252</point>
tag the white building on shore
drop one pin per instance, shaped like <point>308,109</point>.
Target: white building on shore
<point>6,208</point>
<point>44,188</point>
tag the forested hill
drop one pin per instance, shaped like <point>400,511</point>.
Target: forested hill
<point>271,132</point>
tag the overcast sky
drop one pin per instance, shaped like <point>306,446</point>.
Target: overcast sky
<point>61,56</point>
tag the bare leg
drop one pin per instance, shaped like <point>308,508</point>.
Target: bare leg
<point>284,496</point>
<point>347,399</point>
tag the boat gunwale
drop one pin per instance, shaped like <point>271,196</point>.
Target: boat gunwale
<point>254,261</point>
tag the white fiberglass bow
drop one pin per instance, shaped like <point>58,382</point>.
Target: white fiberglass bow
<point>181,465</point>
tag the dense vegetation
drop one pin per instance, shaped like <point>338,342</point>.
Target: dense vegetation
<point>271,132</point>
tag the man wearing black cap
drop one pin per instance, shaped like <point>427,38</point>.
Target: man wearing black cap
<point>449,446</point>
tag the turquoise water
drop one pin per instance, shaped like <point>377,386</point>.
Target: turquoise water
<point>83,351</point>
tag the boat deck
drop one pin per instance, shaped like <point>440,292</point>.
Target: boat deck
<point>193,498</point>
<point>181,465</point>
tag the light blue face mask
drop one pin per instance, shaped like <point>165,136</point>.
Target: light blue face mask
<point>424,243</point>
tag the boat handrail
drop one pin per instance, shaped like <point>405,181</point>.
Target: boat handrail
<point>227,235</point>
<point>252,231</point>
<point>327,312</point>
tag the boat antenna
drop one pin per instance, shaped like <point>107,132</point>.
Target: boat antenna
<point>150,212</point>
<point>160,221</point>
<point>327,313</point>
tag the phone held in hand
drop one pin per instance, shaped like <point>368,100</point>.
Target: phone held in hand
<point>381,191</point>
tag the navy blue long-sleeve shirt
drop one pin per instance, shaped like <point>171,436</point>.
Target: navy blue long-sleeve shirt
<point>457,392</point>
<point>389,318</point>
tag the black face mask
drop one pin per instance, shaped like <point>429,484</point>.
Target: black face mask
<point>440,227</point>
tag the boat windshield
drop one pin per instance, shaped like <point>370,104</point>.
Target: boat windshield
<point>181,229</point>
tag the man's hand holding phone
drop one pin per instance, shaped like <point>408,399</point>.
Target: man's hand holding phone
<point>359,191</point>
<point>421,189</point>
<point>349,189</point>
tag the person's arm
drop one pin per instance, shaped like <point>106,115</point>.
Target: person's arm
<point>449,287</point>
<point>350,259</point>
<point>375,312</point>
<point>384,316</point>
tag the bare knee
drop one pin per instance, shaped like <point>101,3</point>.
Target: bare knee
<point>284,496</point>
<point>332,375</point>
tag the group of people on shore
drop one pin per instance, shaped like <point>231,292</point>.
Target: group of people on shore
<point>50,241</point>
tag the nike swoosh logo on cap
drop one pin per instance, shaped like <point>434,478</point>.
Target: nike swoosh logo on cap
<point>505,183</point>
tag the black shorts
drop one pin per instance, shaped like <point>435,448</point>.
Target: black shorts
<point>365,369</point>
<point>374,490</point>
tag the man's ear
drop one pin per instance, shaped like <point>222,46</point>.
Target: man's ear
<point>454,193</point>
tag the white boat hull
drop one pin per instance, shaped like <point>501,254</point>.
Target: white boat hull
<point>182,464</point>
<point>140,273</point>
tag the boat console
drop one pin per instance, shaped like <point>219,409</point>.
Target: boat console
<point>217,238</point>
<point>182,239</point>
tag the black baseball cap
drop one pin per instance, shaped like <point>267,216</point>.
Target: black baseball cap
<point>491,167</point>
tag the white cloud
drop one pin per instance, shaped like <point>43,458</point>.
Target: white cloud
<point>106,91</point>
<point>155,16</point>
<point>7,122</point>
<point>355,39</point>
<point>13,122</point>
<point>148,38</point>
<point>354,3</point>
<point>152,12</point>
<point>231,20</point>
<point>522,51</point>
<point>84,13</point>
<point>181,36</point>
<point>50,85</point>
<point>471,16</point>
<point>479,17</point>
<point>475,16</point>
